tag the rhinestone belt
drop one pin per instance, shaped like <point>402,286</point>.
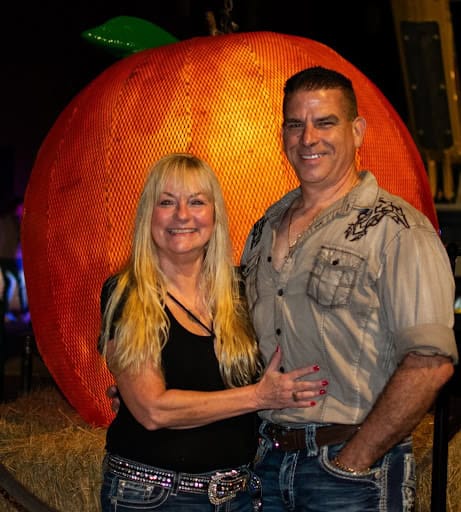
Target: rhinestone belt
<point>220,487</point>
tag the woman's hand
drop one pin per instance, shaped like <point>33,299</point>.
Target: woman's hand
<point>279,390</point>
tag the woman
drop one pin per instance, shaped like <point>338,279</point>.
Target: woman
<point>177,337</point>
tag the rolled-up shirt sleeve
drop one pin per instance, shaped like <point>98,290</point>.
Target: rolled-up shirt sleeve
<point>420,339</point>
<point>417,289</point>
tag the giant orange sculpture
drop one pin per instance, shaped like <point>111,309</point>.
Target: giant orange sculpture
<point>218,97</point>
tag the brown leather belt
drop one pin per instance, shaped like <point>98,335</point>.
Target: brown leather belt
<point>288,439</point>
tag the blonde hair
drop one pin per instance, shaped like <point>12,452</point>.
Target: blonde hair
<point>142,330</point>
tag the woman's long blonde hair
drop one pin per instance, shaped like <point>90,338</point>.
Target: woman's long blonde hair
<point>143,327</point>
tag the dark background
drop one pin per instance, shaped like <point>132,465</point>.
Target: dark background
<point>46,62</point>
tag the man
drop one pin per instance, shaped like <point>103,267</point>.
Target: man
<point>343,274</point>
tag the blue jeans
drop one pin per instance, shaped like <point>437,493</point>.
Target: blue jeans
<point>120,495</point>
<point>306,480</point>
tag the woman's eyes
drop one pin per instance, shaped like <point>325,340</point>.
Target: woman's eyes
<point>192,202</point>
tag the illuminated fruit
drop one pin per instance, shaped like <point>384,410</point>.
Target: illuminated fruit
<point>218,97</point>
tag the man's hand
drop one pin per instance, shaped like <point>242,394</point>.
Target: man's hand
<point>401,406</point>
<point>112,393</point>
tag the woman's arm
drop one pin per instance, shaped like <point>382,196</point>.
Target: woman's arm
<point>156,407</point>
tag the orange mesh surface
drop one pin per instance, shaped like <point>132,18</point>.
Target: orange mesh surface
<point>218,97</point>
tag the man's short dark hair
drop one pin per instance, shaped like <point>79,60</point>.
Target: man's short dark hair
<point>318,77</point>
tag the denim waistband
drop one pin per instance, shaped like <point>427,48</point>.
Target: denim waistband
<point>221,486</point>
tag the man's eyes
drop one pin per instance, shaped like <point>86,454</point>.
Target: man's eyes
<point>325,124</point>
<point>292,125</point>
<point>298,126</point>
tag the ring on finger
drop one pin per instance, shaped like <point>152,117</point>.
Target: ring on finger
<point>294,395</point>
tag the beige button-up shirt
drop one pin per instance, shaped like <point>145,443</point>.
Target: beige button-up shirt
<point>368,282</point>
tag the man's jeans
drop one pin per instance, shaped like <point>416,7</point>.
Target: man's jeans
<point>307,481</point>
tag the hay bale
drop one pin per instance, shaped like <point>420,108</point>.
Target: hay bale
<point>422,438</point>
<point>49,449</point>
<point>57,456</point>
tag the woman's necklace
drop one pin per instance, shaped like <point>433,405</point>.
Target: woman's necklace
<point>190,314</point>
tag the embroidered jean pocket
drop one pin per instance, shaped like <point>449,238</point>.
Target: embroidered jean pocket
<point>333,276</point>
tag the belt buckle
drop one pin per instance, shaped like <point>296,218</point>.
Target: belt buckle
<point>222,486</point>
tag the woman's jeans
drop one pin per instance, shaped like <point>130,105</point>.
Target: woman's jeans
<point>307,481</point>
<point>119,494</point>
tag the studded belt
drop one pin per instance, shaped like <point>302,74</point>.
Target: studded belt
<point>222,486</point>
<point>288,439</point>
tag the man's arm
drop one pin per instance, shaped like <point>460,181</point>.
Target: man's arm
<point>403,403</point>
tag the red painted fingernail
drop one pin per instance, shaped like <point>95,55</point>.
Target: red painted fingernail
<point>322,392</point>
<point>316,367</point>
<point>324,383</point>
<point>277,348</point>
<point>312,404</point>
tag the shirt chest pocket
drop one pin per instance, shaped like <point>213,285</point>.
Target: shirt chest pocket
<point>334,276</point>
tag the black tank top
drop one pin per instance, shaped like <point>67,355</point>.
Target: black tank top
<point>189,362</point>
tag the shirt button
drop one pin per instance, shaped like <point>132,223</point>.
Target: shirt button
<point>280,292</point>
<point>278,332</point>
